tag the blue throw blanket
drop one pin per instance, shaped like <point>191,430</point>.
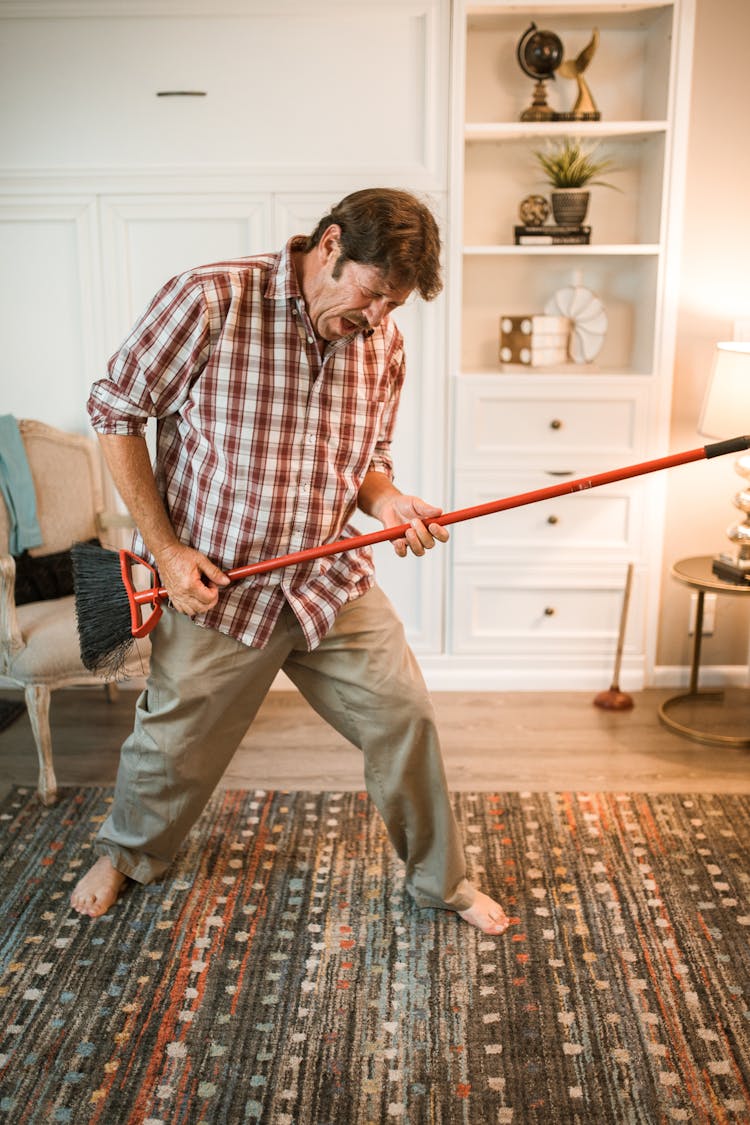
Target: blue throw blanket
<point>17,487</point>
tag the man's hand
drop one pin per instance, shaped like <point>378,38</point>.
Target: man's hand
<point>191,579</point>
<point>422,535</point>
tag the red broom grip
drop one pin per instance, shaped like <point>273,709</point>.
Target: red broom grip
<point>581,484</point>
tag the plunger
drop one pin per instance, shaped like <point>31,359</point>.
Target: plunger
<point>614,699</point>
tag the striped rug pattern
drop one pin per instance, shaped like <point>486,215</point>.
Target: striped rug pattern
<point>280,975</point>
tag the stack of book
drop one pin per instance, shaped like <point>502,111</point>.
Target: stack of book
<point>556,235</point>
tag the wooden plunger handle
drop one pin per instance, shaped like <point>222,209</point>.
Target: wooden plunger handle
<point>718,449</point>
<point>623,626</point>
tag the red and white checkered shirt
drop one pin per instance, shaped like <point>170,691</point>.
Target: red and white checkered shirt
<point>262,443</point>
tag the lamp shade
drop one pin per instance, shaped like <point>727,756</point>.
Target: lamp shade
<point>726,407</point>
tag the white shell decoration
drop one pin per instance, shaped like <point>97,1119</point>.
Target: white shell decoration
<point>588,320</point>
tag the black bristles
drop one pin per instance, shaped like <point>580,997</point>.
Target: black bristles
<point>102,610</point>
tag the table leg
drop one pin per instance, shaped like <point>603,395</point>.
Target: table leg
<point>697,639</point>
<point>671,705</point>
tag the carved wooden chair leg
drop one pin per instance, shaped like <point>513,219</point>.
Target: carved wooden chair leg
<point>37,704</point>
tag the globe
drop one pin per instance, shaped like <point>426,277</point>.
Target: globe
<point>539,55</point>
<point>539,52</point>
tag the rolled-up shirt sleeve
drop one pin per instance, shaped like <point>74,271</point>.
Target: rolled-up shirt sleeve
<point>152,373</point>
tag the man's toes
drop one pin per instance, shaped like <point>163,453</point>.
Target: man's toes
<point>82,904</point>
<point>487,915</point>
<point>97,890</point>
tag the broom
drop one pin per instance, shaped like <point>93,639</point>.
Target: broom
<point>109,608</point>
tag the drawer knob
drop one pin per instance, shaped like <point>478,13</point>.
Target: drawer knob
<point>555,424</point>
<point>553,520</point>
<point>549,611</point>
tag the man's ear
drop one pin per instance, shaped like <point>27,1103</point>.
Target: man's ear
<point>329,246</point>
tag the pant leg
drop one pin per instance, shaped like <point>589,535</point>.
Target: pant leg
<point>203,691</point>
<point>364,680</point>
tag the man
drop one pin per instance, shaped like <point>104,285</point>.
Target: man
<point>275,381</point>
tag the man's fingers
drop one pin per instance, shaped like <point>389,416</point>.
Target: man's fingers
<point>439,532</point>
<point>419,538</point>
<point>212,572</point>
<point>415,539</point>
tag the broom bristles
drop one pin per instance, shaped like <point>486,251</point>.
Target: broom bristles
<point>102,610</point>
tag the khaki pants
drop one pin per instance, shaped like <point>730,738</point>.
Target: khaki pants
<point>204,691</point>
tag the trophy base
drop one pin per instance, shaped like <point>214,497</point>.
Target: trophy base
<point>591,115</point>
<point>732,570</point>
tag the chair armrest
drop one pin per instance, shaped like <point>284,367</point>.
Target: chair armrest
<point>107,520</point>
<point>115,529</point>
<point>11,639</point>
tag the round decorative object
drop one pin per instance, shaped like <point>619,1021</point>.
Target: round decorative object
<point>588,320</point>
<point>539,52</point>
<point>534,210</point>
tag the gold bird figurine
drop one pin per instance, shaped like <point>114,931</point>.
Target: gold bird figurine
<point>584,109</point>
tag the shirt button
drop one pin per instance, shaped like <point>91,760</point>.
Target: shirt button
<point>310,340</point>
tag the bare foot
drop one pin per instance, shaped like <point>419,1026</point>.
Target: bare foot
<point>486,914</point>
<point>98,889</point>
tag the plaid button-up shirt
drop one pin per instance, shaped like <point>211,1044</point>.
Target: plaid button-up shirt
<point>262,442</point>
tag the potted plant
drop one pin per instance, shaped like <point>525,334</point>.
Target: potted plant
<point>571,169</point>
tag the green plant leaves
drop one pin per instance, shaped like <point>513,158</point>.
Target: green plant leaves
<point>568,164</point>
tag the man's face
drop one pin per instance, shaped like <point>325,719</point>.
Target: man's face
<point>359,298</point>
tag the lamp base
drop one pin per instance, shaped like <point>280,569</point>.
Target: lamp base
<point>732,570</point>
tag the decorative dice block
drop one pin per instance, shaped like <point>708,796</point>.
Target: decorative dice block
<point>534,341</point>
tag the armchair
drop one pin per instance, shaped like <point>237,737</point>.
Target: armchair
<point>39,640</point>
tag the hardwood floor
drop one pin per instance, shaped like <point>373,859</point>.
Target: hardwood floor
<point>492,741</point>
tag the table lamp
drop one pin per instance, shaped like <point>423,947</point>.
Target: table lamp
<point>726,411</point>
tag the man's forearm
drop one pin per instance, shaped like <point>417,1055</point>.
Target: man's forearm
<point>130,465</point>
<point>377,489</point>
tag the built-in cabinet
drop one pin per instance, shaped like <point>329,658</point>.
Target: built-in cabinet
<point>536,593</point>
<point>149,138</point>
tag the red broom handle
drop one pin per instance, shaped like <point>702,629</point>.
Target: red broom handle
<point>581,484</point>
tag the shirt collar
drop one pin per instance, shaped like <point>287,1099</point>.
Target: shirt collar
<point>282,284</point>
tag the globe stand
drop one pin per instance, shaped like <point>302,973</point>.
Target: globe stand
<point>539,110</point>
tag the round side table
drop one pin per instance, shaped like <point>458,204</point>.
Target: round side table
<point>730,708</point>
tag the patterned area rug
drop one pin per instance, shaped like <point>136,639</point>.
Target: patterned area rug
<point>280,975</point>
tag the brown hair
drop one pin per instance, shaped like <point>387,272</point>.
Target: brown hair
<point>390,230</point>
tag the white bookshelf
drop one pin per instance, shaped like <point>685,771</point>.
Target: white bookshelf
<point>522,597</point>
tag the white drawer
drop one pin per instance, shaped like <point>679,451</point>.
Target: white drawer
<point>603,521</point>
<point>506,613</point>
<point>574,429</point>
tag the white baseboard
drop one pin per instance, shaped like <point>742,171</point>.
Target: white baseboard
<point>445,675</point>
<point>710,675</point>
<point>442,676</point>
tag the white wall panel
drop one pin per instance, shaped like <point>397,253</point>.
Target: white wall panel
<point>48,282</point>
<point>148,240</point>
<point>283,85</point>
